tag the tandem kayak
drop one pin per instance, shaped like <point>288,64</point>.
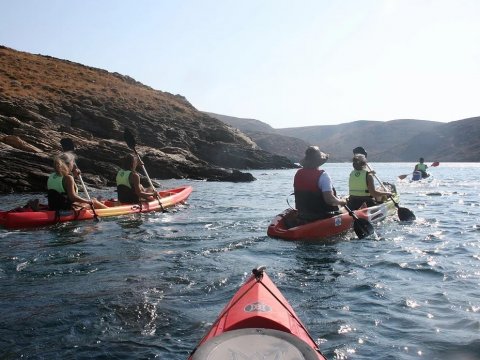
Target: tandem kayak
<point>257,323</point>
<point>286,225</point>
<point>27,218</point>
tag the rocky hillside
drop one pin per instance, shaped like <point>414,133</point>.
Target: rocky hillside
<point>267,137</point>
<point>454,141</point>
<point>376,136</point>
<point>44,99</point>
<point>398,140</point>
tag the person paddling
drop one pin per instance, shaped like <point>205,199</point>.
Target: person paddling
<point>361,185</point>
<point>315,196</point>
<point>62,192</point>
<point>422,167</point>
<point>129,188</point>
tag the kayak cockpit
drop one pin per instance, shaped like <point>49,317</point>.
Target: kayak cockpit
<point>255,343</point>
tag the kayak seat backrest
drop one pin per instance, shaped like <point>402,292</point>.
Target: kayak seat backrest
<point>257,322</point>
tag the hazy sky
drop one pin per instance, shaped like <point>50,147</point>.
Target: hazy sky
<point>287,63</point>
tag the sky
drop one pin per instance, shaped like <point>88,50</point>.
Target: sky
<point>286,63</point>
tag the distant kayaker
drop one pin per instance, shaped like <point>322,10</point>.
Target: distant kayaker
<point>129,188</point>
<point>362,186</point>
<point>62,191</point>
<point>315,196</point>
<point>422,168</point>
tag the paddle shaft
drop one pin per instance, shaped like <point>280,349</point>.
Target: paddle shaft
<point>403,213</point>
<point>88,195</point>
<point>68,145</point>
<point>382,184</point>
<point>131,143</point>
<point>376,177</point>
<point>84,187</point>
<point>149,180</point>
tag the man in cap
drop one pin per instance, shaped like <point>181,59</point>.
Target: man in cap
<point>315,196</point>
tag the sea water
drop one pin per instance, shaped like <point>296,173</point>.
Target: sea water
<point>149,286</point>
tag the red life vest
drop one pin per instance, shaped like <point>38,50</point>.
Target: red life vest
<point>308,196</point>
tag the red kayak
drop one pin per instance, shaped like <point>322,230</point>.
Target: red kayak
<point>257,323</point>
<point>287,226</point>
<point>28,218</point>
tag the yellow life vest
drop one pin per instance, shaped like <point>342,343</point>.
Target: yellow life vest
<point>123,178</point>
<point>55,182</point>
<point>357,183</point>
<point>421,167</point>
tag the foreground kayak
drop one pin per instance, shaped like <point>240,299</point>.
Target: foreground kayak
<point>257,323</point>
<point>27,218</point>
<point>286,226</point>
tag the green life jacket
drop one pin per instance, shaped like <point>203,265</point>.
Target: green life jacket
<point>55,182</point>
<point>123,178</point>
<point>357,183</point>
<point>421,167</point>
<point>126,194</point>
<point>57,196</point>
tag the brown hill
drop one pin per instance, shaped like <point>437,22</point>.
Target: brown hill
<point>43,99</point>
<point>266,137</point>
<point>454,141</point>
<point>375,136</point>
<point>243,124</point>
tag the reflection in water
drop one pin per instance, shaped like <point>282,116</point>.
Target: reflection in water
<point>131,221</point>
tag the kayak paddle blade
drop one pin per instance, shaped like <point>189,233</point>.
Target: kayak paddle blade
<point>67,144</point>
<point>129,138</point>
<point>434,164</point>
<point>363,228</point>
<point>405,214</point>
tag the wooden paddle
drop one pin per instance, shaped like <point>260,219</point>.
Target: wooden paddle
<point>362,227</point>
<point>131,142</point>
<point>68,145</point>
<point>434,164</point>
<point>404,214</point>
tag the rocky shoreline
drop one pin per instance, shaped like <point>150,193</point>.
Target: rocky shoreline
<point>43,99</point>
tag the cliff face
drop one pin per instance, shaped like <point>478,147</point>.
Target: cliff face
<point>43,99</point>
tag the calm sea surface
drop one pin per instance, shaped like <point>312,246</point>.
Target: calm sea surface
<point>148,286</point>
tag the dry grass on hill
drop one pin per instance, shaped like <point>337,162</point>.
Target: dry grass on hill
<point>44,78</point>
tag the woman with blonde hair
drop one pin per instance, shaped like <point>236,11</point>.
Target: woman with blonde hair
<point>62,190</point>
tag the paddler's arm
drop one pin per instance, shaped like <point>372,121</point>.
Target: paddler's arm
<point>332,200</point>
<point>374,192</point>
<point>70,189</point>
<point>138,188</point>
